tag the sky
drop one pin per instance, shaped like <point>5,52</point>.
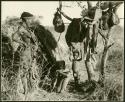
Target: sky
<point>46,9</point>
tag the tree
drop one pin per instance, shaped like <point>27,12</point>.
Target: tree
<point>105,7</point>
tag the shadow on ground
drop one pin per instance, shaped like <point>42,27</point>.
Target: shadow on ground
<point>84,90</point>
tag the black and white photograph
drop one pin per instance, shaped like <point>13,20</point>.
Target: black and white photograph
<point>62,50</point>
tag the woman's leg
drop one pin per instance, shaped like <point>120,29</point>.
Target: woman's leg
<point>24,83</point>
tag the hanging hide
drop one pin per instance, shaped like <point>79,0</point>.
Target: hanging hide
<point>75,32</point>
<point>109,16</point>
<point>58,23</point>
<point>109,19</point>
<point>113,20</point>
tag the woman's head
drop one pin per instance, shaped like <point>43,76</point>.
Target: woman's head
<point>29,18</point>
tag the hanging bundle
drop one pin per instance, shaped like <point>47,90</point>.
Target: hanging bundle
<point>58,22</point>
<point>110,18</point>
<point>113,19</point>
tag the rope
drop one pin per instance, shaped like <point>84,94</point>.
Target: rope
<point>60,5</point>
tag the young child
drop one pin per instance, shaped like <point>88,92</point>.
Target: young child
<point>75,66</point>
<point>62,77</point>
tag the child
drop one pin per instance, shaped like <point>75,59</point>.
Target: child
<point>62,77</point>
<point>75,64</point>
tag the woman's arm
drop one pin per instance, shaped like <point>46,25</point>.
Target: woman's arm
<point>16,37</point>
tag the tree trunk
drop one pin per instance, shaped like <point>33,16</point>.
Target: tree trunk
<point>103,64</point>
<point>89,66</point>
<point>104,56</point>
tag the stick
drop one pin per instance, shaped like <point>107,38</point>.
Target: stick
<point>67,17</point>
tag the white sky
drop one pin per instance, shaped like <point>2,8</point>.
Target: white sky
<point>45,9</point>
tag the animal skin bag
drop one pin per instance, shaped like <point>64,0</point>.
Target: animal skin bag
<point>115,19</point>
<point>58,23</point>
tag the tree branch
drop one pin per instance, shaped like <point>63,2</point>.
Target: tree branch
<point>110,45</point>
<point>79,4</point>
<point>67,17</point>
<point>102,34</point>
